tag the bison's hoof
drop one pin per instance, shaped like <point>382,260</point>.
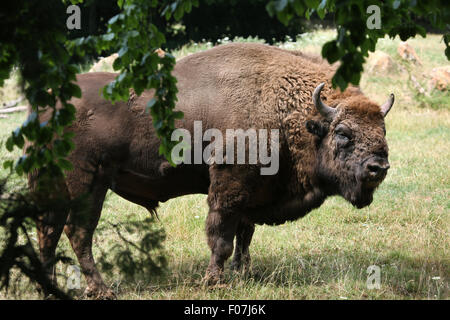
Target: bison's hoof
<point>236,266</point>
<point>100,294</point>
<point>241,265</point>
<point>213,277</point>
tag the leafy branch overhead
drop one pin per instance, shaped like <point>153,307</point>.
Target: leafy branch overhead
<point>136,39</point>
<point>36,47</point>
<point>48,63</point>
<point>354,39</point>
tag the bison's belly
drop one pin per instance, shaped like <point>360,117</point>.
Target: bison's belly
<point>147,191</point>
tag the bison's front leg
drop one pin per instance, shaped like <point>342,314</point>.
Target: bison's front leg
<point>220,229</point>
<point>228,197</point>
<point>244,236</point>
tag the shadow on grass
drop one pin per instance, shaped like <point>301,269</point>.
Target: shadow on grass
<point>402,276</point>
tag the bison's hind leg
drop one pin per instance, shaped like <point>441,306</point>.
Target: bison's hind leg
<point>49,227</point>
<point>80,226</point>
<point>80,231</point>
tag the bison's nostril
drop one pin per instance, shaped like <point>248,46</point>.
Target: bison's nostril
<point>375,169</point>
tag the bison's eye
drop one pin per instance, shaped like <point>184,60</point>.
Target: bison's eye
<point>342,138</point>
<point>343,135</point>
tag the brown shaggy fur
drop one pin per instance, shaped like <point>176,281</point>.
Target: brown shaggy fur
<point>231,86</point>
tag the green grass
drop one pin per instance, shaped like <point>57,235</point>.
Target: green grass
<point>325,255</point>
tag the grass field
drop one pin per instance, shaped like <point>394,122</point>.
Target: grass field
<point>405,231</point>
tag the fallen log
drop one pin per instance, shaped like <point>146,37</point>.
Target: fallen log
<point>12,103</point>
<point>14,109</point>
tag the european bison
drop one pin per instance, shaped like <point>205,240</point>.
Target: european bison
<point>330,143</point>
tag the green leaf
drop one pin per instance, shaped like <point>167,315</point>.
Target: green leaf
<point>108,36</point>
<point>321,13</point>
<point>299,8</point>
<point>123,50</point>
<point>331,52</point>
<point>158,124</point>
<point>9,144</point>
<point>65,164</point>
<point>178,115</point>
<point>151,103</point>
<point>8,164</point>
<point>76,91</point>
<point>18,138</point>
<point>280,5</point>
<point>270,8</point>
<point>312,4</point>
<point>114,19</point>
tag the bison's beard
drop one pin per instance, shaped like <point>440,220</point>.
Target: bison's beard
<point>353,188</point>
<point>364,198</point>
<point>361,195</point>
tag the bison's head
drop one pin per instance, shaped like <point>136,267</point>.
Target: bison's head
<point>352,149</point>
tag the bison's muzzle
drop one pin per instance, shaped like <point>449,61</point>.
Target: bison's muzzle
<point>375,170</point>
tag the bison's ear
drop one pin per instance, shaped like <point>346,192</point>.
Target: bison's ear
<point>317,128</point>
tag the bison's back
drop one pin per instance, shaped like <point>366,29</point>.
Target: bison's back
<point>240,84</point>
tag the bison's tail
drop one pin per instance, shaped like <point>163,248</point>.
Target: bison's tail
<point>153,212</point>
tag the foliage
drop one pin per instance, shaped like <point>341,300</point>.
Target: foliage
<point>48,65</point>
<point>210,20</point>
<point>95,15</point>
<point>47,70</point>
<point>217,19</point>
<point>354,39</point>
<point>18,211</point>
<point>136,38</point>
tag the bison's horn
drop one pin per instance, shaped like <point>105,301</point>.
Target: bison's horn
<point>323,109</point>
<point>387,105</point>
